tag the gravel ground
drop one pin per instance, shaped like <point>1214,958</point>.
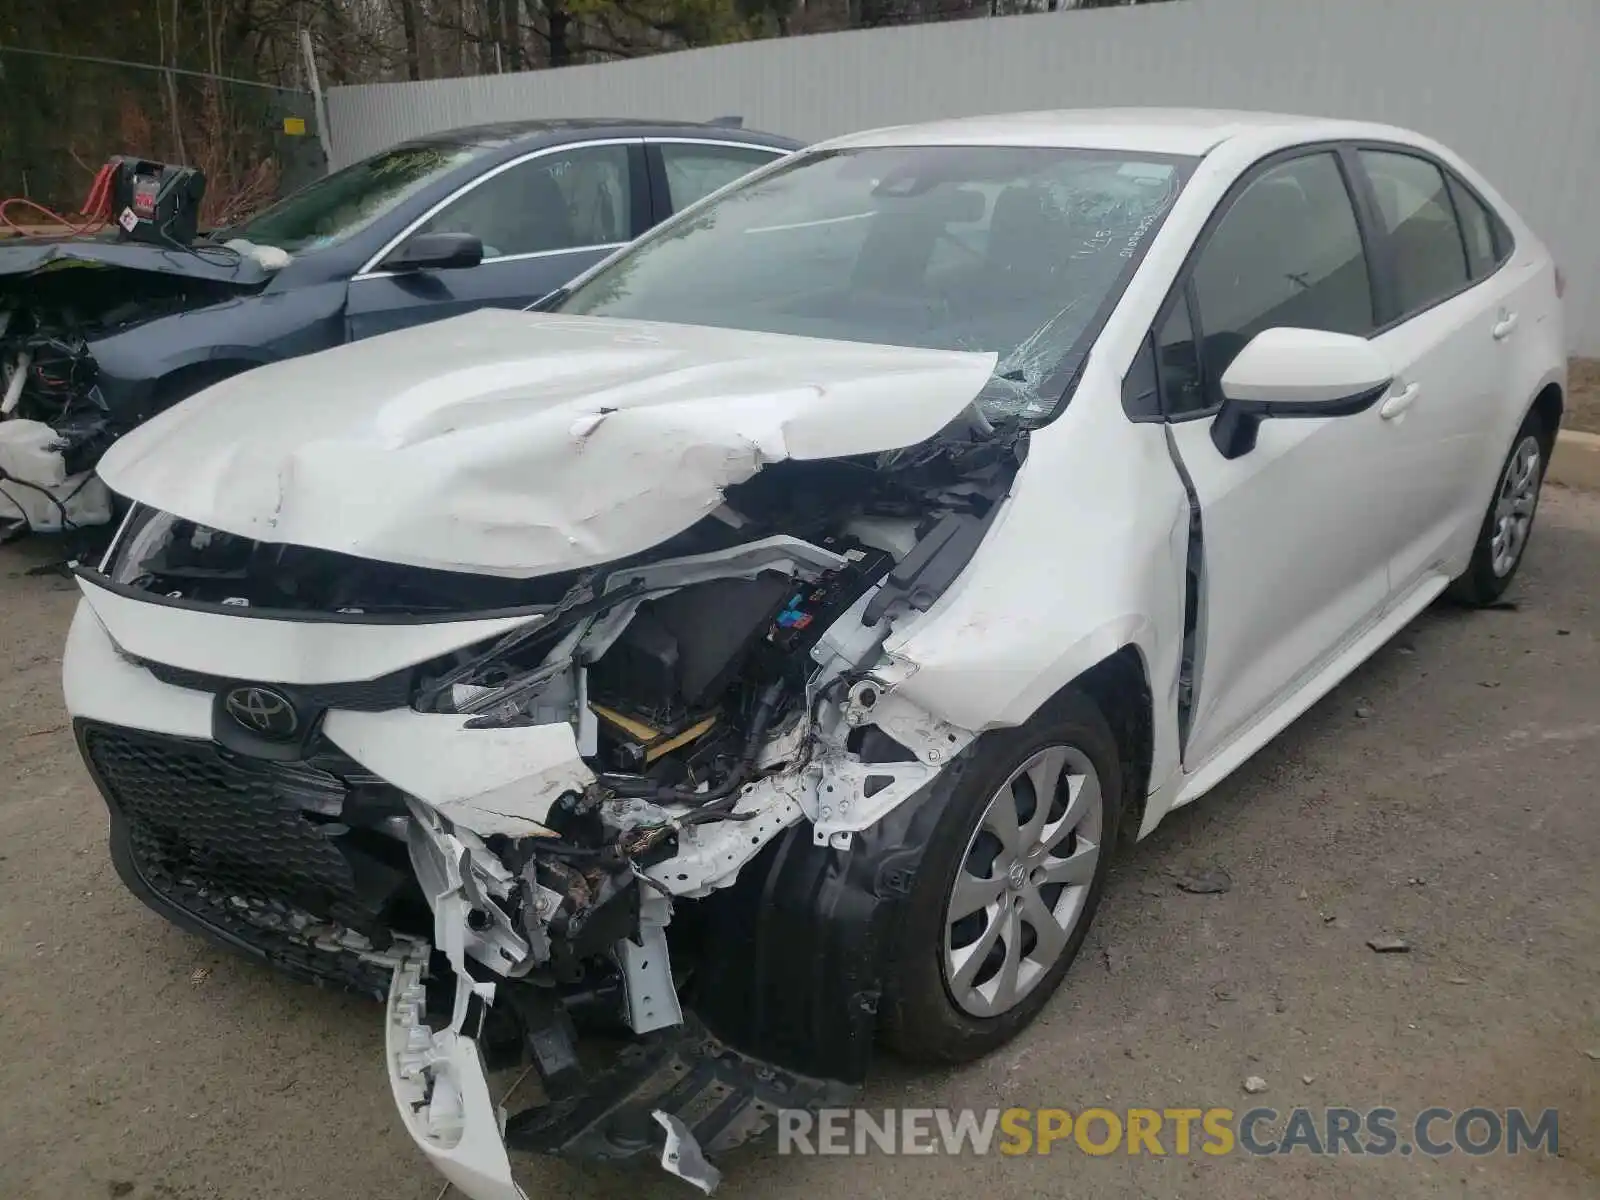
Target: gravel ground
<point>1445,795</point>
<point>1583,404</point>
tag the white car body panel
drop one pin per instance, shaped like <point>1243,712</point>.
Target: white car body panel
<point>1434,447</point>
<point>631,428</point>
<point>490,780</point>
<point>306,652</point>
<point>518,445</point>
<point>1302,496</point>
<point>1037,608</point>
<point>99,684</point>
<point>1275,720</point>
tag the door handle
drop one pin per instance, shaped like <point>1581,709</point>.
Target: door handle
<point>1504,326</point>
<point>1400,401</point>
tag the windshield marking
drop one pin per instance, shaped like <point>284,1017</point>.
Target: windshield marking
<point>811,224</point>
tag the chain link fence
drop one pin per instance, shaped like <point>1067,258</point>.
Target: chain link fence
<point>62,116</point>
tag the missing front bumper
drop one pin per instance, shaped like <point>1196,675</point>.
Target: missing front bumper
<point>679,1094</point>
<point>442,1092</point>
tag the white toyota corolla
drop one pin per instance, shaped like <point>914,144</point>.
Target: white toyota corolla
<point>759,651</point>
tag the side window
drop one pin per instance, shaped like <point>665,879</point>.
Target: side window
<point>1286,253</point>
<point>1178,363</point>
<point>558,201</point>
<point>1425,243</point>
<point>694,170</point>
<point>1477,230</point>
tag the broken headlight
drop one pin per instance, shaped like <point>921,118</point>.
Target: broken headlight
<point>151,542</point>
<point>531,677</point>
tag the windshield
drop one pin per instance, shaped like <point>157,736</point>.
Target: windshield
<point>1014,250</point>
<point>339,205</point>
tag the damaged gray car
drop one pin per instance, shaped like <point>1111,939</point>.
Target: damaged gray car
<point>97,335</point>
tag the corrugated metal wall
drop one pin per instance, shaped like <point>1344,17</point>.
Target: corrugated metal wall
<point>1509,84</point>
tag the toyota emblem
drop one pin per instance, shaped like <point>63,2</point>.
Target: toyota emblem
<point>263,711</point>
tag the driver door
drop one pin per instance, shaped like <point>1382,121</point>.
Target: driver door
<point>542,219</point>
<point>1296,540</point>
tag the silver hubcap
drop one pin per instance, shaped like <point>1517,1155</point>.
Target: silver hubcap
<point>1021,886</point>
<point>1513,508</point>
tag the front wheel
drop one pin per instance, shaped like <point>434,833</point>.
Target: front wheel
<point>1503,536</point>
<point>1010,881</point>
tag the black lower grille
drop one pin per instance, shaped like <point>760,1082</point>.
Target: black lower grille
<point>236,824</point>
<point>287,937</point>
<point>234,844</point>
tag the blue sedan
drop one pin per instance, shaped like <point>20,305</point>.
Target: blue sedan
<point>494,215</point>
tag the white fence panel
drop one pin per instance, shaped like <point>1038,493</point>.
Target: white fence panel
<point>1509,84</point>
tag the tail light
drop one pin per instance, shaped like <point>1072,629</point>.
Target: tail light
<point>1561,284</point>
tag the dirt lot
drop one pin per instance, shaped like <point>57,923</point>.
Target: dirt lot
<point>1446,795</point>
<point>1583,407</point>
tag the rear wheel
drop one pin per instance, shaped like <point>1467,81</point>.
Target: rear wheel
<point>1009,884</point>
<point>1508,524</point>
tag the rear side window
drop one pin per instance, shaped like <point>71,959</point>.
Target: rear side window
<point>1287,252</point>
<point>1425,243</point>
<point>694,171</point>
<point>1477,230</point>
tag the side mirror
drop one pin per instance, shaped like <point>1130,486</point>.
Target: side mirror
<point>435,252</point>
<point>1296,373</point>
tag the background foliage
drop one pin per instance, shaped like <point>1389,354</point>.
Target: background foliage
<point>60,117</point>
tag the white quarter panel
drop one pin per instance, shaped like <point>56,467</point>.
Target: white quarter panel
<point>268,650</point>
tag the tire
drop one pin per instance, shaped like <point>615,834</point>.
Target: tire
<point>934,989</point>
<point>1498,552</point>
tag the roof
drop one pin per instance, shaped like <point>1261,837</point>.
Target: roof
<point>1187,131</point>
<point>504,133</point>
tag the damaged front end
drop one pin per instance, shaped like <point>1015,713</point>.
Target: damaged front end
<point>58,298</point>
<point>664,803</point>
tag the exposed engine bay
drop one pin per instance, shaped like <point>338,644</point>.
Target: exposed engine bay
<point>57,414</point>
<point>673,713</point>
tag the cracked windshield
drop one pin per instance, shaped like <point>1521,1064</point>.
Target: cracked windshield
<point>1011,250</point>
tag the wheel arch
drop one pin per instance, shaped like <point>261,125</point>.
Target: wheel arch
<point>1550,404</point>
<point>1119,686</point>
<point>183,381</point>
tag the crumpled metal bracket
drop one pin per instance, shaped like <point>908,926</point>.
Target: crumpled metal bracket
<point>681,1155</point>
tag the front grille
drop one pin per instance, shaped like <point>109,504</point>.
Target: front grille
<point>288,937</point>
<point>362,695</point>
<point>236,847</point>
<point>237,825</point>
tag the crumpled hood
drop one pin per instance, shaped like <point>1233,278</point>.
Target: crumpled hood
<point>24,256</point>
<point>519,444</point>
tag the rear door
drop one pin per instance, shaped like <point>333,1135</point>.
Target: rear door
<point>683,170</point>
<point>1447,316</point>
<point>542,218</point>
<point>1295,540</point>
